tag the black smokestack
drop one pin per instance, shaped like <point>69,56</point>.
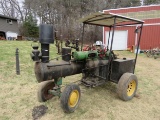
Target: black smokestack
<point>46,38</point>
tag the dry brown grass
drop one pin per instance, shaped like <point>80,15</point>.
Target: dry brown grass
<point>18,93</point>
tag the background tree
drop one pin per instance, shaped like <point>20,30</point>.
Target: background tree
<point>12,8</point>
<point>64,14</point>
<point>30,27</point>
<point>149,2</point>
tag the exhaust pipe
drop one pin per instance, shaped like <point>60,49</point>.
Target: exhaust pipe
<point>46,37</point>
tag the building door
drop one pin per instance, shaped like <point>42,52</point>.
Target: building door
<point>120,40</point>
<point>2,35</point>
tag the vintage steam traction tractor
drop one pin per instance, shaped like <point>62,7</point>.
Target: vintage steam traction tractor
<point>97,66</point>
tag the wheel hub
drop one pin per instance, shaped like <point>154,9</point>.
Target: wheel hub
<point>131,88</point>
<point>73,99</point>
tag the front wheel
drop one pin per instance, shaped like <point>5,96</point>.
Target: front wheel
<point>43,90</point>
<point>127,86</point>
<point>70,98</point>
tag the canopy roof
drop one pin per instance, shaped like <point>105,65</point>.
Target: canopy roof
<point>107,19</point>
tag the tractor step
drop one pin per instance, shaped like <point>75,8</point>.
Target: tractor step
<point>92,83</point>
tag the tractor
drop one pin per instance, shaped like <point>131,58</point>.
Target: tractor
<point>97,66</point>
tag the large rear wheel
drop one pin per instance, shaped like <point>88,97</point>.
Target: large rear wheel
<point>70,98</point>
<point>127,86</point>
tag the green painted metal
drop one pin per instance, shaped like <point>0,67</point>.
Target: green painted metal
<point>107,53</point>
<point>82,55</point>
<point>59,81</point>
<point>95,52</point>
<point>55,92</point>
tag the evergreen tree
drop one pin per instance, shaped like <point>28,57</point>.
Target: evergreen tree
<point>30,26</point>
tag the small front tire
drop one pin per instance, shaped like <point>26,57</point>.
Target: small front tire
<point>70,98</point>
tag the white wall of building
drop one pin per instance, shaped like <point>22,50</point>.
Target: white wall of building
<point>11,35</point>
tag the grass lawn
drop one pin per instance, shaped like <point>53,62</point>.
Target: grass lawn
<point>18,93</point>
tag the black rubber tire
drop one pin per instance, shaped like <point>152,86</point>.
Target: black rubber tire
<point>65,96</point>
<point>43,94</point>
<point>123,86</point>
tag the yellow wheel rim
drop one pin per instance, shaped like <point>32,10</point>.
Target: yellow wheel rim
<point>73,98</point>
<point>131,88</point>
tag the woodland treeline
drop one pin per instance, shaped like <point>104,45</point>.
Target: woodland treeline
<point>63,14</point>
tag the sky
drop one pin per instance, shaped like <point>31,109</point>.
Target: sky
<point>20,2</point>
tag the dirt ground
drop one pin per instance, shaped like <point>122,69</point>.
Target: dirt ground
<point>18,96</point>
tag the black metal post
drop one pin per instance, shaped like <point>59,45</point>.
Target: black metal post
<point>17,62</point>
<point>46,38</point>
<point>112,37</point>
<point>110,51</point>
<point>45,52</point>
<point>138,47</point>
<point>61,42</point>
<point>108,38</point>
<point>82,37</point>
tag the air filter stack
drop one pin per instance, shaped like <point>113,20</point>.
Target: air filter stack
<point>46,38</point>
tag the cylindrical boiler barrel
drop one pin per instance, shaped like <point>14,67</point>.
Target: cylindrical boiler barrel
<point>56,69</point>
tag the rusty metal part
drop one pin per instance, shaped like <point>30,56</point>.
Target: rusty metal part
<point>46,93</point>
<point>95,63</point>
<point>92,81</point>
<point>43,90</point>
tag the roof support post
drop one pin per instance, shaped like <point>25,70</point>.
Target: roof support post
<point>82,36</point>
<point>108,38</point>
<point>110,51</point>
<point>138,47</point>
<point>114,26</point>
